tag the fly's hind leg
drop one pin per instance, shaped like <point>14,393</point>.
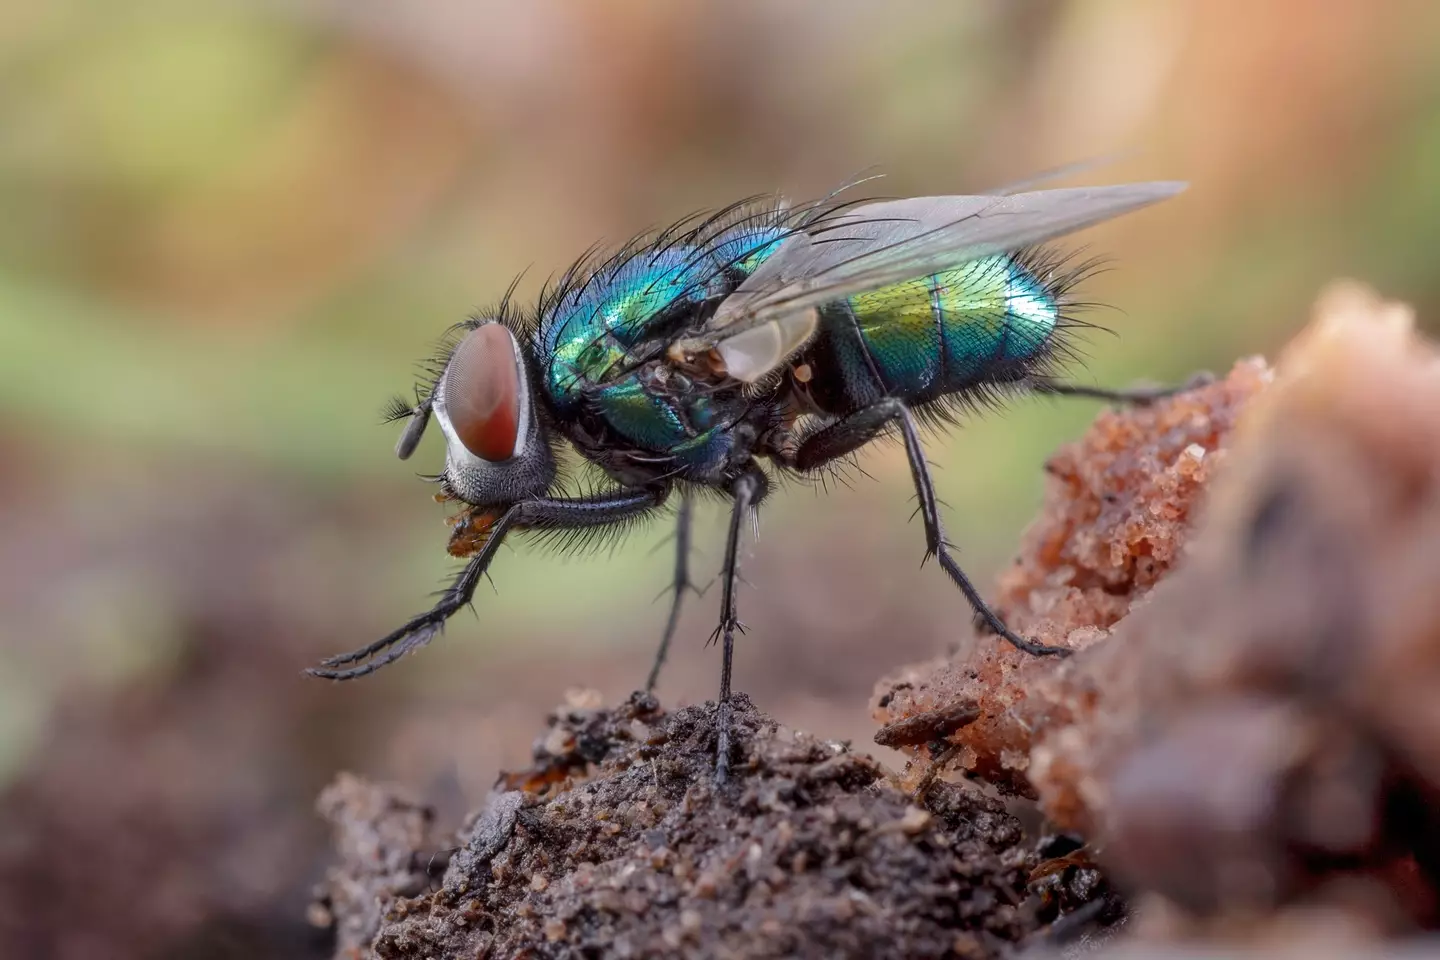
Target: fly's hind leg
<point>854,431</point>
<point>678,586</point>
<point>1140,396</point>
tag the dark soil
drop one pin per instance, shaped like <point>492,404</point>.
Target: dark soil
<point>810,851</point>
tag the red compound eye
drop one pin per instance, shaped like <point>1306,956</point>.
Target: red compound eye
<point>482,392</point>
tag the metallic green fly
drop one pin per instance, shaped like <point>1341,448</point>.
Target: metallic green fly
<point>761,339</point>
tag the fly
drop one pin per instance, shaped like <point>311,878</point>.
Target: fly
<point>762,339</point>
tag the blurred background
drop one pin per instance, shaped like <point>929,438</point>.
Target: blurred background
<point>229,230</point>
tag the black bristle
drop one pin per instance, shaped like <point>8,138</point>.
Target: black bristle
<point>397,408</point>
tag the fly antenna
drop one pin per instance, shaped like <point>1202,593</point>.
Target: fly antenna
<point>414,430</point>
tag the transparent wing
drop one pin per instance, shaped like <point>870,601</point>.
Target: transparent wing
<point>872,246</point>
<point>1054,173</point>
<point>878,244</point>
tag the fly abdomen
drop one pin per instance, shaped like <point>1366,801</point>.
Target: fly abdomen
<point>989,321</point>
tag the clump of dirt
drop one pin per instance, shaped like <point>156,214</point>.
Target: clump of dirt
<point>1277,741</point>
<point>381,834</point>
<point>633,852</point>
<point>1257,734</point>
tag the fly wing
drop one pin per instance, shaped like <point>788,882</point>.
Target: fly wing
<point>773,313</point>
<point>1054,173</point>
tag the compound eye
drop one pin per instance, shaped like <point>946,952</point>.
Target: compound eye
<point>482,392</point>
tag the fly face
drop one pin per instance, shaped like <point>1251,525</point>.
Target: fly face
<point>496,447</point>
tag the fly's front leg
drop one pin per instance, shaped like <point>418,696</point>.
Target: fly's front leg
<point>748,490</point>
<point>1139,396</point>
<point>678,586</point>
<point>534,514</point>
<point>853,432</point>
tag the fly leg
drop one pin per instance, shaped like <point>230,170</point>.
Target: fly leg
<point>538,514</point>
<point>748,490</point>
<point>853,432</point>
<point>1136,395</point>
<point>678,586</point>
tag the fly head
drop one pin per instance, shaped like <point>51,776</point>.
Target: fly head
<point>497,447</point>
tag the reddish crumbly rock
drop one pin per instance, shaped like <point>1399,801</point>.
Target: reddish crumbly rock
<point>1283,743</point>
<point>1118,509</point>
<point>1260,737</point>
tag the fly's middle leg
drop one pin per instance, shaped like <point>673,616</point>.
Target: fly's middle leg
<point>678,586</point>
<point>854,431</point>
<point>748,490</point>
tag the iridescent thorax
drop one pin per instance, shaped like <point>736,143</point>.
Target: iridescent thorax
<point>602,342</point>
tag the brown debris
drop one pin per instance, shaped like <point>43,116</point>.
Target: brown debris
<point>926,726</point>
<point>581,733</point>
<point>470,530</point>
<point>811,854</point>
